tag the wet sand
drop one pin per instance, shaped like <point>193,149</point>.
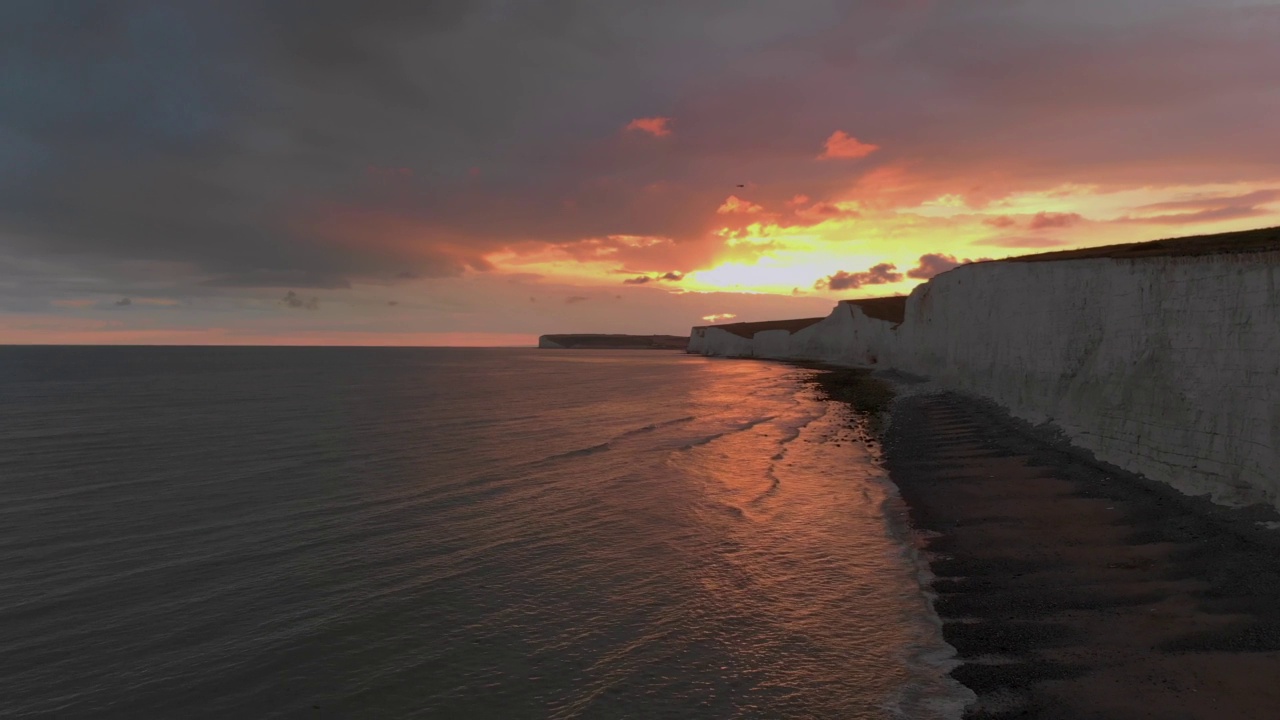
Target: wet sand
<point>1071,589</point>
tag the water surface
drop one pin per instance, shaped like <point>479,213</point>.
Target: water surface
<point>394,533</point>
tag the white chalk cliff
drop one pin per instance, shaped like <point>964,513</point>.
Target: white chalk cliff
<point>1165,366</point>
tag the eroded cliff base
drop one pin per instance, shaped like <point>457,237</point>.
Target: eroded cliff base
<point>1072,589</point>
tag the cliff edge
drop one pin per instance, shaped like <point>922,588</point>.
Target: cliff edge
<point>1162,358</point>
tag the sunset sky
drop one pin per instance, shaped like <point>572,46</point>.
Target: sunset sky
<point>407,172</point>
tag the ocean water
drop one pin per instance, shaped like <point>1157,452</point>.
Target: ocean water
<point>447,533</point>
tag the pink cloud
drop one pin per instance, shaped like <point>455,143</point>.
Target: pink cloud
<point>1206,209</point>
<point>734,204</point>
<point>1000,221</point>
<point>803,211</point>
<point>843,146</point>
<point>655,126</point>
<point>1043,220</point>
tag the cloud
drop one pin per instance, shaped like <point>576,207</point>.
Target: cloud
<point>1000,221</point>
<point>655,126</point>
<point>574,300</point>
<point>881,274</point>
<point>1215,202</point>
<point>1021,242</point>
<point>806,213</point>
<point>124,302</point>
<point>931,264</point>
<point>262,278</point>
<point>1043,220</point>
<point>1222,213</point>
<point>1204,209</point>
<point>392,303</point>
<point>643,279</point>
<point>291,299</point>
<point>225,146</point>
<point>842,146</point>
<point>734,204</point>
<point>717,317</point>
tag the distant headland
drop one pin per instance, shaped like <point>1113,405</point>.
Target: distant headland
<point>614,342</point>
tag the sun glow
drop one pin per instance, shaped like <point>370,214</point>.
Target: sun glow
<point>791,247</point>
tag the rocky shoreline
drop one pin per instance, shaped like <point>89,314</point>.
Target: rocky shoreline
<point>1070,588</point>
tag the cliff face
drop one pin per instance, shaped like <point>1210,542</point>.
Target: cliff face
<point>1166,366</point>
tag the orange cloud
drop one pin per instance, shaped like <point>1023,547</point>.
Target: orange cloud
<point>843,146</point>
<point>735,204</point>
<point>718,317</point>
<point>655,126</point>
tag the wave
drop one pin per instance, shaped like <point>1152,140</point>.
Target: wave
<point>774,484</point>
<point>655,426</point>
<point>701,441</point>
<point>715,436</point>
<point>580,452</point>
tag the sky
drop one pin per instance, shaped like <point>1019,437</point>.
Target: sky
<point>410,172</point>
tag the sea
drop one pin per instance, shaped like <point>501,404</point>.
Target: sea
<point>195,532</point>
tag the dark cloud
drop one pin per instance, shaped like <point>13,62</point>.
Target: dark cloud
<point>574,299</point>
<point>280,278</point>
<point>248,141</point>
<point>932,264</point>
<point>644,279</point>
<point>881,274</point>
<point>392,303</point>
<point>291,299</point>
<point>124,302</point>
